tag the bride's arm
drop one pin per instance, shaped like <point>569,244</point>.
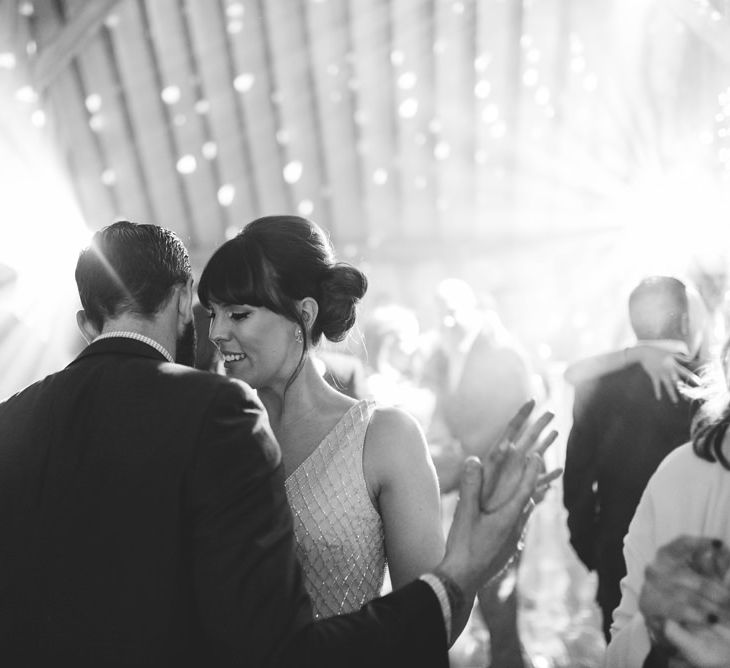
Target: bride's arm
<point>402,482</point>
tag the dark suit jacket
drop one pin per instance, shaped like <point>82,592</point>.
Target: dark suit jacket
<point>620,434</point>
<point>143,522</point>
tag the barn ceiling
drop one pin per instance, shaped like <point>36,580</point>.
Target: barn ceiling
<point>404,127</point>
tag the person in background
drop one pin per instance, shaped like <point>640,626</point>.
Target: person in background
<point>480,376</point>
<point>392,336</point>
<point>666,367</point>
<point>143,510</point>
<point>344,371</point>
<point>620,434</point>
<point>688,495</point>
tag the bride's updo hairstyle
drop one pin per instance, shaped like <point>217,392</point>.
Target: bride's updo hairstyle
<point>276,261</point>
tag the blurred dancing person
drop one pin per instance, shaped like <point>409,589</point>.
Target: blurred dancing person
<point>620,434</point>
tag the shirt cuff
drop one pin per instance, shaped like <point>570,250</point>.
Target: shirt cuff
<point>439,589</point>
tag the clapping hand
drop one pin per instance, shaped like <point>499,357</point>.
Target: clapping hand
<point>496,498</point>
<point>504,465</point>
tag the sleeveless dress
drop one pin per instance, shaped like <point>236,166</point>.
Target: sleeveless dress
<point>339,534</point>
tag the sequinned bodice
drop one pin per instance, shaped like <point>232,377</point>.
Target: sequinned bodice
<point>340,539</point>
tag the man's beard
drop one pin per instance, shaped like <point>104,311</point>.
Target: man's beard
<point>186,344</point>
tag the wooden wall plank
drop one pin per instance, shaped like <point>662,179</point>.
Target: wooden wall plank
<point>70,40</point>
<point>492,71</point>
<point>374,55</point>
<point>454,52</point>
<point>155,147</point>
<point>100,78</point>
<point>417,125</point>
<point>172,55</point>
<point>220,103</point>
<point>79,146</point>
<point>333,81</point>
<point>294,98</point>
<point>252,58</point>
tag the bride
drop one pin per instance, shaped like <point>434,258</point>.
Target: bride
<point>359,478</point>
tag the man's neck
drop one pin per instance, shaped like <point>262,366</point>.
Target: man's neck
<point>152,329</point>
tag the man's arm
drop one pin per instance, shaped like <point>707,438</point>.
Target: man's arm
<point>248,585</point>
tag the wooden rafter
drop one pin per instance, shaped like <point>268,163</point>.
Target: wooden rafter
<point>69,41</point>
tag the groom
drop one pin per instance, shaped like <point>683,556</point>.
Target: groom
<point>142,507</point>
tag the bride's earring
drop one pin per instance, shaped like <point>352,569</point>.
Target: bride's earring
<point>298,335</point>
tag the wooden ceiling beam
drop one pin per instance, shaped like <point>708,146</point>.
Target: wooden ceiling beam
<point>69,41</point>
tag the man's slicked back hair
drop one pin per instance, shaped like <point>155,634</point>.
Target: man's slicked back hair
<point>130,268</point>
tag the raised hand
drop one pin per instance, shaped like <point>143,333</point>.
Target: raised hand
<point>495,502</point>
<point>504,465</point>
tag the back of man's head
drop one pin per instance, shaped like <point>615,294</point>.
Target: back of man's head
<point>658,309</point>
<point>130,268</point>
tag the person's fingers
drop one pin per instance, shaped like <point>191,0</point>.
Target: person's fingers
<point>470,488</point>
<point>492,465</point>
<point>533,433</point>
<point>687,375</point>
<point>515,426</point>
<point>670,386</point>
<point>545,479</point>
<point>496,456</point>
<point>546,443</point>
<point>657,388</point>
<point>543,484</point>
<point>525,488</point>
<point>659,599</point>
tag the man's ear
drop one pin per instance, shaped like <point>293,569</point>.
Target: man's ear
<point>185,302</point>
<point>88,329</point>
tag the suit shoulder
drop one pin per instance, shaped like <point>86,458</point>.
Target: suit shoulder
<point>207,379</point>
<point>615,382</point>
<point>29,392</point>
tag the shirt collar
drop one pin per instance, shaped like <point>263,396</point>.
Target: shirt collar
<point>137,337</point>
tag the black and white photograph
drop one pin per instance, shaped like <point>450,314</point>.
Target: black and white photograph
<point>365,333</point>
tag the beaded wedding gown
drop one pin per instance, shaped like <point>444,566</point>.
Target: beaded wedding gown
<point>340,539</point>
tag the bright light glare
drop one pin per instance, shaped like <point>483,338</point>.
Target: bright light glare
<point>672,219</point>
<point>40,239</point>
